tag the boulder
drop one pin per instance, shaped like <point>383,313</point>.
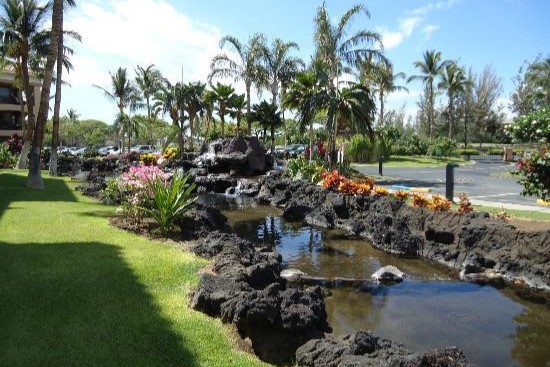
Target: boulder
<point>213,290</point>
<point>388,274</point>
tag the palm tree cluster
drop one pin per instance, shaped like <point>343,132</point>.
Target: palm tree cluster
<point>28,47</point>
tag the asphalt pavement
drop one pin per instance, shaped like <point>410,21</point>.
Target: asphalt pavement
<point>485,183</point>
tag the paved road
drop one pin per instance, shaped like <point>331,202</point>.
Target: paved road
<point>481,181</point>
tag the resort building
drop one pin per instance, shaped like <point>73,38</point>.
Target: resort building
<point>11,119</point>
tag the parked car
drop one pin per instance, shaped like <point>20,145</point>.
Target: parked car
<point>107,149</point>
<point>143,149</point>
<point>295,150</point>
<point>79,152</point>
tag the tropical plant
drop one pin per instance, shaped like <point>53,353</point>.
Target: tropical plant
<point>440,203</point>
<point>442,147</point>
<point>268,116</point>
<point>531,127</point>
<point>302,169</point>
<point>169,199</point>
<point>532,86</point>
<point>534,174</point>
<point>465,205</point>
<point>431,67</point>
<point>402,195</point>
<point>123,92</point>
<point>149,81</point>
<point>359,149</point>
<point>222,95</point>
<point>193,105</point>
<point>237,106</point>
<point>246,67</point>
<point>420,201</point>
<point>336,49</point>
<point>454,81</point>
<point>15,144</point>
<point>148,159</point>
<point>7,158</point>
<point>410,144</point>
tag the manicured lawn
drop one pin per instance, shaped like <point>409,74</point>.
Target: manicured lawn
<point>416,161</point>
<point>76,291</point>
<point>515,213</point>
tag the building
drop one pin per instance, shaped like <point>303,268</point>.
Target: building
<point>11,119</point>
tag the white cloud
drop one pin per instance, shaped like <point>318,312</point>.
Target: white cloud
<point>429,30</point>
<point>433,6</point>
<point>407,26</point>
<point>130,32</point>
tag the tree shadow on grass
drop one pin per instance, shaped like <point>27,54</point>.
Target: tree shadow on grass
<point>12,188</point>
<point>80,304</point>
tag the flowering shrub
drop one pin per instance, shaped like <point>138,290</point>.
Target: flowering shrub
<point>15,144</point>
<point>402,194</point>
<point>420,201</point>
<point>170,153</point>
<point>332,180</point>
<point>302,169</point>
<point>465,204</point>
<point>7,158</point>
<point>381,191</point>
<point>138,177</point>
<point>148,159</point>
<point>319,152</point>
<point>440,203</point>
<point>532,127</point>
<point>534,174</point>
<point>130,156</point>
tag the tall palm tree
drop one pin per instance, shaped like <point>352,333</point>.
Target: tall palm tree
<point>338,51</point>
<point>61,61</point>
<point>123,92</point>
<point>236,109</point>
<point>245,68</point>
<point>193,104</point>
<point>382,80</point>
<point>454,81</point>
<point>166,101</point>
<point>222,94</point>
<point>208,102</point>
<point>148,81</point>
<point>34,178</point>
<point>20,22</point>
<point>431,67</point>
<point>279,66</point>
<point>268,116</point>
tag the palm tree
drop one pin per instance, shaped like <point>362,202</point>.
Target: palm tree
<point>222,94</point>
<point>34,178</point>
<point>169,100</point>
<point>454,81</point>
<point>72,115</point>
<point>62,59</point>
<point>237,107</point>
<point>430,68</point>
<point>193,104</point>
<point>208,103</point>
<point>382,80</point>
<point>304,96</point>
<point>336,51</point>
<point>149,81</point>
<point>123,92</point>
<point>20,22</point>
<point>268,116</point>
<point>245,67</point>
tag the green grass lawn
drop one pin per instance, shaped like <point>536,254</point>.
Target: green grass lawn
<point>527,214</point>
<point>76,291</point>
<point>416,161</point>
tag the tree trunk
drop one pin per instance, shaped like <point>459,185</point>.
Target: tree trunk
<point>57,105</point>
<point>273,142</point>
<point>149,122</point>
<point>34,179</point>
<point>381,108</point>
<point>191,130</point>
<point>222,116</point>
<point>451,113</point>
<point>248,122</point>
<point>431,110</point>
<point>29,93</point>
<point>311,140</point>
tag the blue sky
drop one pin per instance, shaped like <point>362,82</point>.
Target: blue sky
<point>183,36</point>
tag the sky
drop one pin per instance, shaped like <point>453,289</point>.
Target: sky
<point>180,37</point>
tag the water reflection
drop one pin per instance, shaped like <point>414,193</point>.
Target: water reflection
<point>429,309</point>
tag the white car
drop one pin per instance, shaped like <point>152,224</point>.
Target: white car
<point>143,149</point>
<point>110,149</point>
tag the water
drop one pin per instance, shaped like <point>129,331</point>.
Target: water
<point>430,309</point>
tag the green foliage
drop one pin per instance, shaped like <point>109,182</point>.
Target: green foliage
<point>495,151</point>
<point>532,127</point>
<point>7,158</point>
<point>169,199</point>
<point>112,194</point>
<point>467,151</point>
<point>442,147</point>
<point>387,136</point>
<point>302,169</point>
<point>410,144</point>
<point>91,153</point>
<point>534,174</point>
<point>360,149</point>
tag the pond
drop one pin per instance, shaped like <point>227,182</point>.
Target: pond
<point>430,309</point>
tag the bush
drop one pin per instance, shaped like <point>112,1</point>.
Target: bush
<point>301,169</point>
<point>534,174</point>
<point>15,144</point>
<point>360,149</point>
<point>170,153</point>
<point>442,147</point>
<point>130,156</point>
<point>7,158</point>
<point>169,200</point>
<point>91,153</point>
<point>467,151</point>
<point>148,159</point>
<point>495,151</point>
<point>532,127</point>
<point>410,145</point>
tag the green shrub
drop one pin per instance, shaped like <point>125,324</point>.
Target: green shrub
<point>302,169</point>
<point>534,174</point>
<point>531,127</point>
<point>91,153</point>
<point>112,194</point>
<point>467,151</point>
<point>410,145</point>
<point>495,151</point>
<point>7,158</point>
<point>360,148</point>
<point>169,200</point>
<point>442,147</point>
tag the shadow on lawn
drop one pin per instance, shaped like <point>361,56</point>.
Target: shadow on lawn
<point>54,190</point>
<point>80,304</point>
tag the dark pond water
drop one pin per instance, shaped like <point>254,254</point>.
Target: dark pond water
<point>430,309</point>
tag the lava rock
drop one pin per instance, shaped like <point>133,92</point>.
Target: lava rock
<point>388,274</point>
